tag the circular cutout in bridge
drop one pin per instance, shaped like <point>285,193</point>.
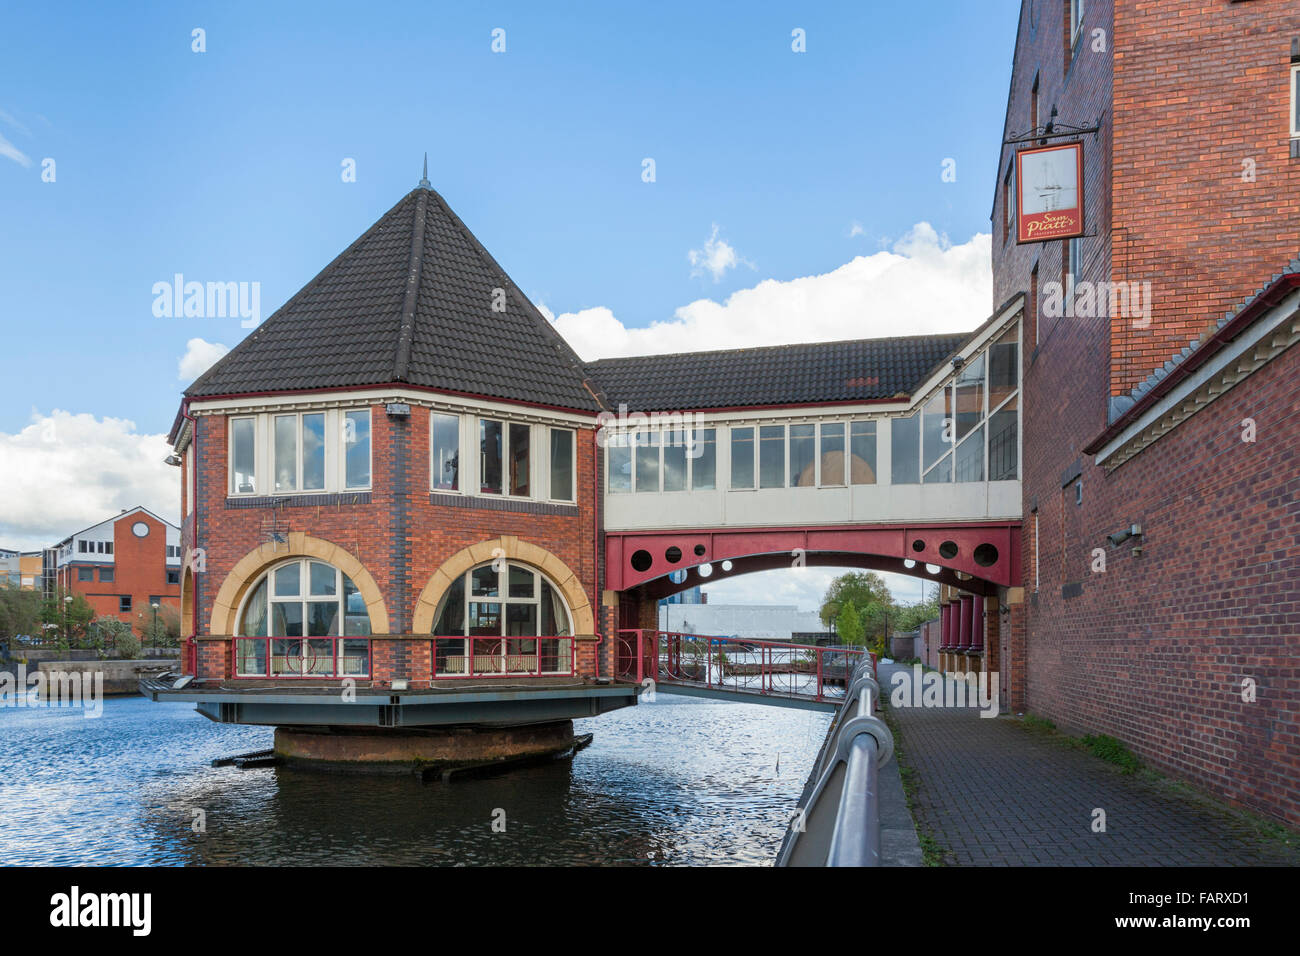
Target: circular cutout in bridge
<point>948,550</point>
<point>933,568</point>
<point>699,550</point>
<point>705,570</point>
<point>641,560</point>
<point>918,545</point>
<point>673,554</point>
<point>727,565</point>
<point>909,563</point>
<point>986,555</point>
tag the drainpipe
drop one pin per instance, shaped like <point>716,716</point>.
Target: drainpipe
<point>597,576</point>
<point>194,508</point>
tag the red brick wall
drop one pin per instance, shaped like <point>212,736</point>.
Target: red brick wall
<point>401,565</point>
<point>1197,93</point>
<point>1153,650</point>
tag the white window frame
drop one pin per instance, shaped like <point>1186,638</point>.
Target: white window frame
<point>1076,21</point>
<point>462,474</point>
<point>231,488</point>
<point>505,459</point>
<point>342,456</point>
<point>298,488</point>
<point>573,464</point>
<point>1295,101</point>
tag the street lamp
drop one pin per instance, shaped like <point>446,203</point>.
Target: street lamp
<point>67,606</point>
<point>153,637</point>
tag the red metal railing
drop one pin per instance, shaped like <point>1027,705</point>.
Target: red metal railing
<point>311,658</point>
<point>189,656</point>
<point>494,656</point>
<point>725,663</point>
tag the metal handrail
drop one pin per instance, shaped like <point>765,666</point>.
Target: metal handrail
<point>838,823</point>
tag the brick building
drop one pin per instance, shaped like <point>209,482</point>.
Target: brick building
<point>123,565</point>
<point>1161,547</point>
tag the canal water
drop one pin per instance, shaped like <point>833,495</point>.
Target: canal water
<point>675,782</point>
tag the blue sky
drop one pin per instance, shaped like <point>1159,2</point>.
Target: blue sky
<point>770,166</point>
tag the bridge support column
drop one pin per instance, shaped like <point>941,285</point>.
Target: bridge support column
<point>399,751</point>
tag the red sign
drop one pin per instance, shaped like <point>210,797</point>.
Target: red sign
<point>1049,193</point>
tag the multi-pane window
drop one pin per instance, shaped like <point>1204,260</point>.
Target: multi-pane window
<point>673,459</point>
<point>85,574</point>
<point>299,452</point>
<point>300,614</point>
<point>505,458</point>
<point>502,618</point>
<point>173,577</point>
<point>832,453</point>
<point>106,575</point>
<point>562,464</point>
<point>292,452</point>
<point>445,445</point>
<point>803,456</point>
<point>124,604</point>
<point>1076,20</point>
<point>970,428</point>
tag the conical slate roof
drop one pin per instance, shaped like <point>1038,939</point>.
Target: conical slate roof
<point>417,300</point>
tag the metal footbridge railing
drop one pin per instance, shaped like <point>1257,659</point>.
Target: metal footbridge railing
<point>838,821</point>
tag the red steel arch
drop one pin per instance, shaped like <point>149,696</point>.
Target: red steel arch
<point>989,552</point>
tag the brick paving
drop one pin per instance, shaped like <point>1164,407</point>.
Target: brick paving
<point>994,793</point>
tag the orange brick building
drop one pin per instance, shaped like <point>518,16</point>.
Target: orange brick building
<point>123,565</point>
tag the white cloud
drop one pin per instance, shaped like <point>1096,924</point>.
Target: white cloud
<point>198,358</point>
<point>923,285</point>
<point>856,230</point>
<point>64,472</point>
<point>715,258</point>
<point>11,151</point>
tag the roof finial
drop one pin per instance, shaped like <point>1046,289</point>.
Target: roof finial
<point>424,180</point>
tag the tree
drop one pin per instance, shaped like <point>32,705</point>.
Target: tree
<point>166,632</point>
<point>118,635</point>
<point>849,625</point>
<point>70,619</point>
<point>912,616</point>
<point>20,612</point>
<point>866,590</point>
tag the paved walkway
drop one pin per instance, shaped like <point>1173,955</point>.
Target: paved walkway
<point>992,792</point>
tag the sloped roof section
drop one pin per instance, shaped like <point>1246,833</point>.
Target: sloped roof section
<point>416,300</point>
<point>856,370</point>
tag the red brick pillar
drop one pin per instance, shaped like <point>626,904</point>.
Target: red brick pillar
<point>967,608</point>
<point>977,623</point>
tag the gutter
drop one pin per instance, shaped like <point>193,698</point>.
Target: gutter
<point>1270,297</point>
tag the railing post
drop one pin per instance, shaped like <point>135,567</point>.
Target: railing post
<point>819,674</point>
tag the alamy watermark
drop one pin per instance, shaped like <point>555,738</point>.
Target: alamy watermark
<point>208,300</point>
<point>922,688</point>
<point>671,429</point>
<point>1088,300</point>
<point>83,689</point>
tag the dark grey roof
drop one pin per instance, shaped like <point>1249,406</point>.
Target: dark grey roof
<point>857,370</point>
<point>410,301</point>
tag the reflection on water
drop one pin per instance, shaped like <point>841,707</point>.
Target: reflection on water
<point>678,781</point>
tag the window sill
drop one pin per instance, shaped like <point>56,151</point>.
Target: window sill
<point>312,499</point>
<point>501,503</point>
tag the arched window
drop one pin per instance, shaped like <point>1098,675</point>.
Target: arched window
<point>297,620</point>
<point>503,618</point>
